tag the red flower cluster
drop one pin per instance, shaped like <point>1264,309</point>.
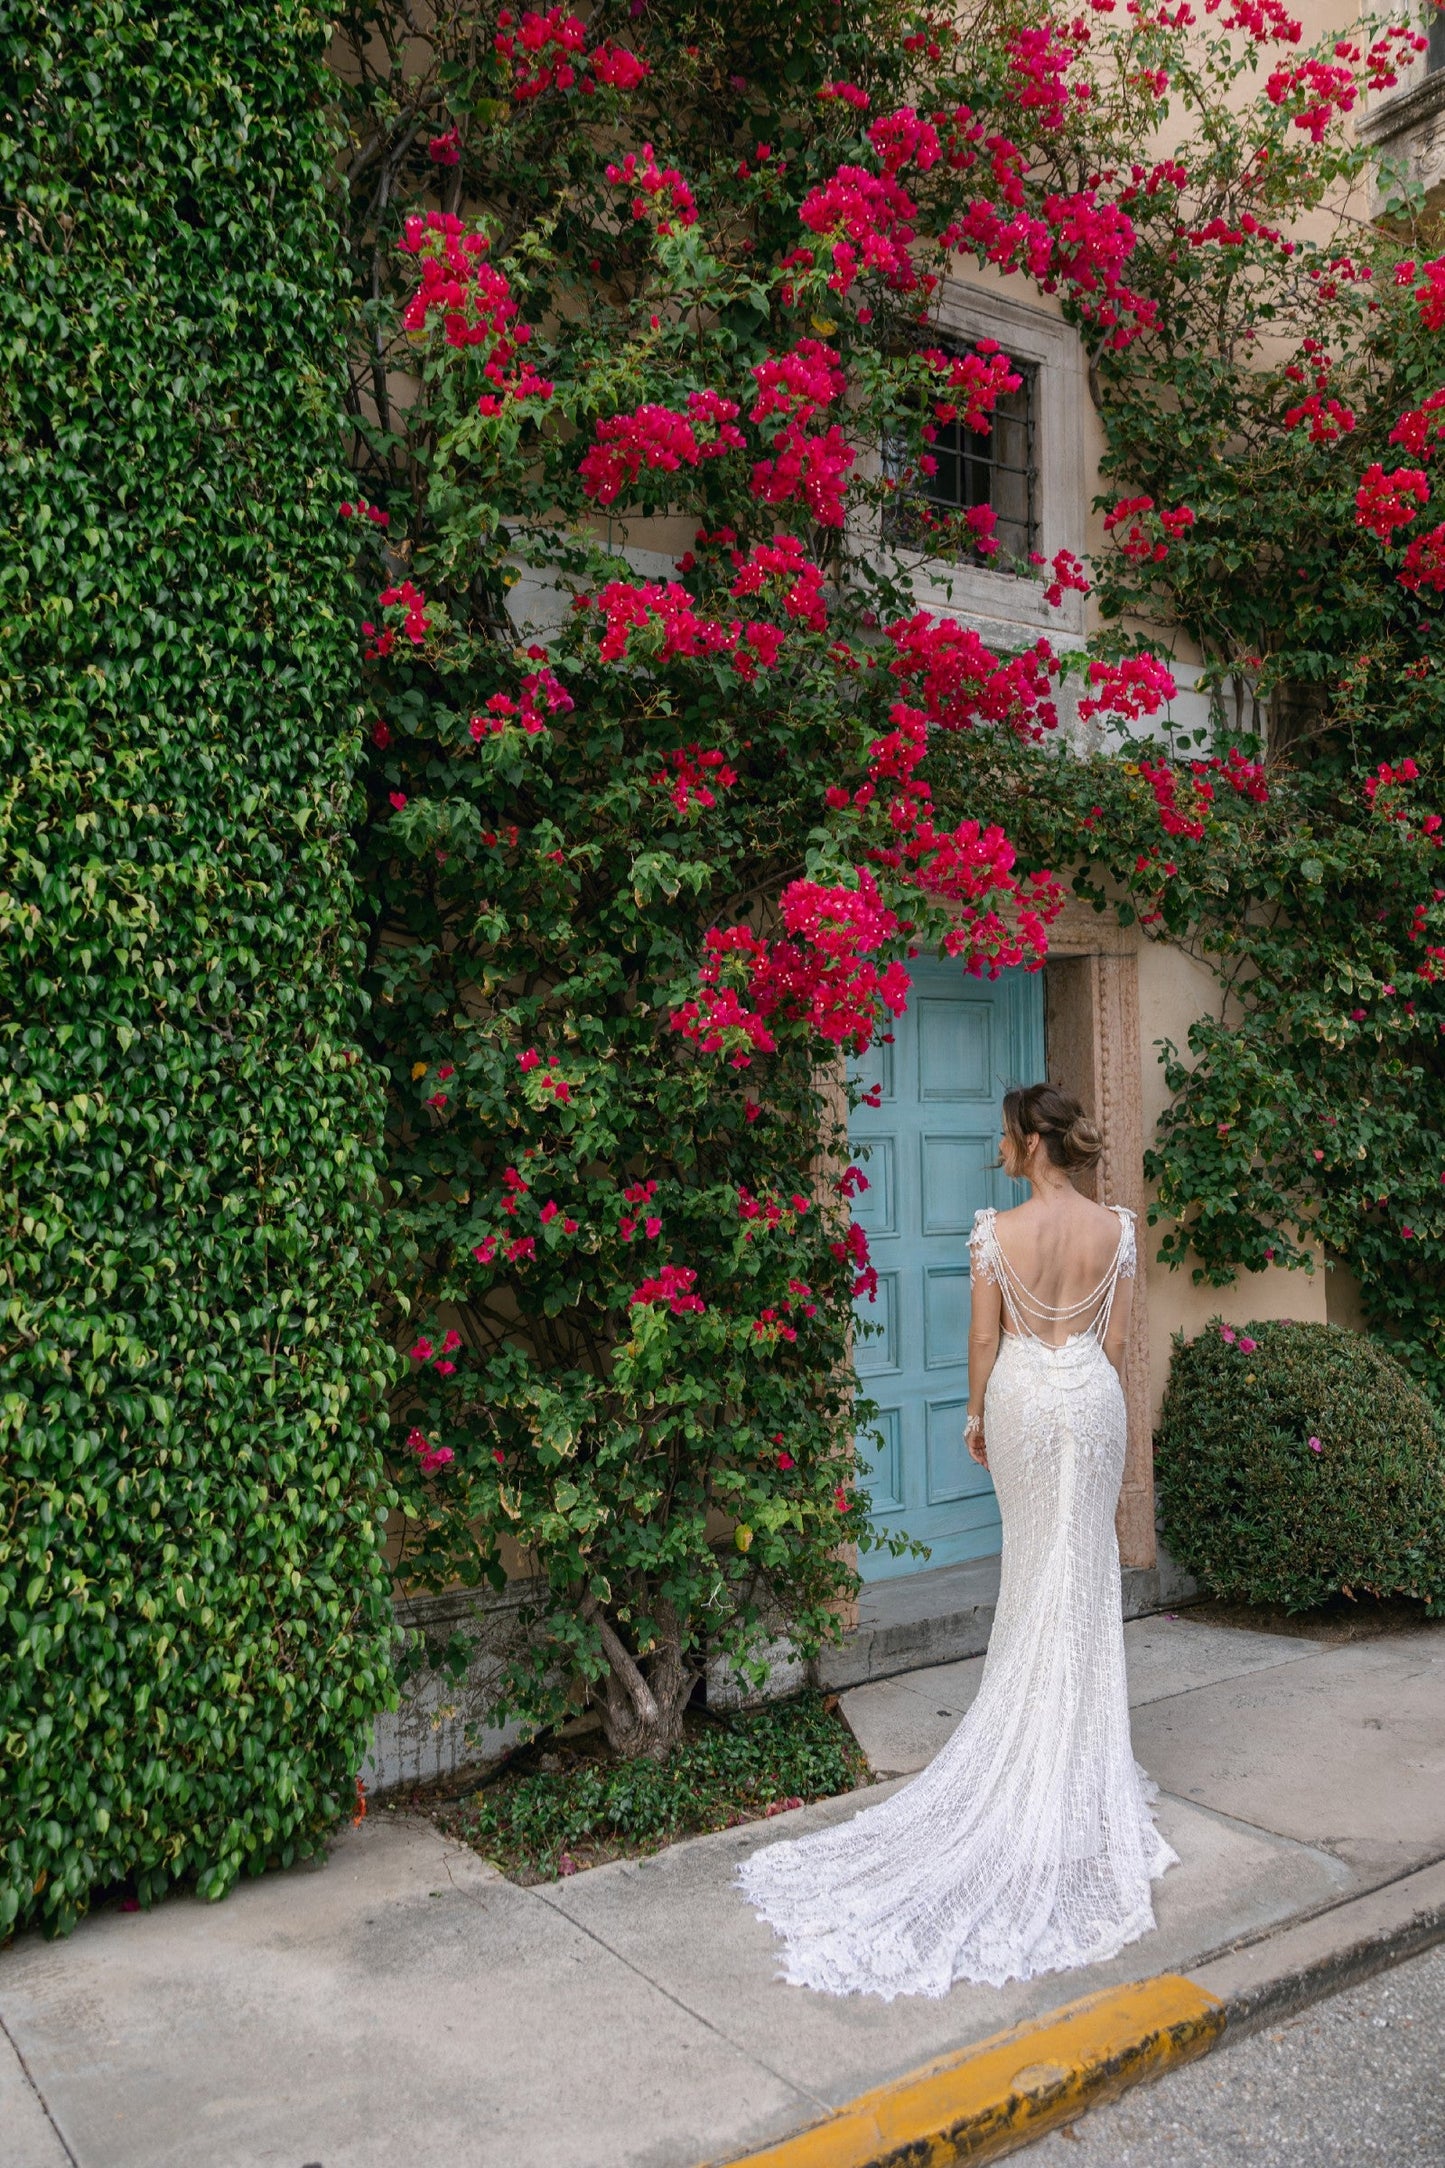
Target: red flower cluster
<point>854,1246</point>
<point>1316,92</point>
<point>627,608</point>
<point>540,690</point>
<point>972,384</point>
<point>1327,418</point>
<point>1245,777</point>
<point>1388,776</point>
<point>673,1285</point>
<point>822,974</point>
<point>1068,578</point>
<point>692,777</point>
<point>362,510</point>
<point>1134,688</point>
<point>475,303</point>
<point>540,50</point>
<point>972,866</point>
<point>1430,296</point>
<point>1424,564</point>
<point>813,468</point>
<point>1039,60</point>
<point>902,139</point>
<point>1384,502</point>
<point>798,382</point>
<point>1419,429</point>
<point>430,1456</point>
<point>770,1211</point>
<point>1261,20</point>
<point>415,625</point>
<point>870,217</point>
<point>1139,540</point>
<point>785,559</point>
<point>615,66</point>
<point>845,94</point>
<point>958,681</point>
<point>539,53</point>
<point>656,437</point>
<point>1164,782</point>
<point>672,199</point>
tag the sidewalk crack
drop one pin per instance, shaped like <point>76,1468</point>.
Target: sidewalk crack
<point>824,2107</point>
<point>43,2104</point>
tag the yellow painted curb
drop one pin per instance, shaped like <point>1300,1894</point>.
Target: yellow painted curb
<point>986,2100</point>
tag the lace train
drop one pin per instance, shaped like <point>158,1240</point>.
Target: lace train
<point>1028,1845</point>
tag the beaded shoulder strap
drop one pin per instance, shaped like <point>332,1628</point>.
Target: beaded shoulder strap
<point>1090,1314</point>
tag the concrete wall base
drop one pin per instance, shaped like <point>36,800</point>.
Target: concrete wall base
<point>937,1617</point>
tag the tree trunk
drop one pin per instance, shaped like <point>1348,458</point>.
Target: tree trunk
<point>642,1714</point>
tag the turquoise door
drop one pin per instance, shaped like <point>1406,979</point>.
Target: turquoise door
<point>927,1149</point>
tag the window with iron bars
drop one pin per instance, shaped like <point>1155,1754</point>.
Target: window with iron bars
<point>997,467</point>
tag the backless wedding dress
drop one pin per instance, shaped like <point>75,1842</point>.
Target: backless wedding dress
<point>1028,1844</point>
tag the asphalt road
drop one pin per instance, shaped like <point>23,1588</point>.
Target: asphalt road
<point>1357,2081</point>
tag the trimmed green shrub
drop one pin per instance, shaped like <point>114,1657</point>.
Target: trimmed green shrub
<point>1299,1462</point>
<point>191,1584</point>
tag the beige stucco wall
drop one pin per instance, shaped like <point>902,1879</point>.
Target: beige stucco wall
<point>1175,989</point>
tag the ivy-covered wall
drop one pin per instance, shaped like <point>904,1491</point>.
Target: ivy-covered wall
<point>194,1609</point>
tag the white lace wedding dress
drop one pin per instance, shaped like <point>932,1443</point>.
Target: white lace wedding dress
<point>1028,1844</point>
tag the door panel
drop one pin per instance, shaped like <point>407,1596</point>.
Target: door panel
<point>927,1149</point>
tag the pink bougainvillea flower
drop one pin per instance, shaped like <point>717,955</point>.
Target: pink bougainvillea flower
<point>430,1456</point>
<point>673,1285</point>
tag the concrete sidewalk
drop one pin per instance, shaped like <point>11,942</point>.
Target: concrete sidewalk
<point>405,2003</point>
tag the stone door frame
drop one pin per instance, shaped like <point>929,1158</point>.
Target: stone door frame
<point>1091,1048</point>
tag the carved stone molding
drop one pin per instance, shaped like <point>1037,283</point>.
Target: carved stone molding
<point>1080,930</point>
<point>1092,1036</point>
<point>1408,128</point>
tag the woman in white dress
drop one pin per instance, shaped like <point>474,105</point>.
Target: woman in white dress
<point>1028,1844</point>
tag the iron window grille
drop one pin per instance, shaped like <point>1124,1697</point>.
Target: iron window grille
<point>998,468</point>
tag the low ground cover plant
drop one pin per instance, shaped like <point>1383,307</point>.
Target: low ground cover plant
<point>572,1805</point>
<point>1298,1463</point>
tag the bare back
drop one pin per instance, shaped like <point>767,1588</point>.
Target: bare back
<point>1059,1274</point>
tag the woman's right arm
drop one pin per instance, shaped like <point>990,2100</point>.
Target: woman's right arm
<point>1116,1332</point>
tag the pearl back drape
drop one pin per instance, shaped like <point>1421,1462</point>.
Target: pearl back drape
<point>1028,1845</point>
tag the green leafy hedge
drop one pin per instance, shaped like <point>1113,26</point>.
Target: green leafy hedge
<point>1297,1462</point>
<point>195,1609</point>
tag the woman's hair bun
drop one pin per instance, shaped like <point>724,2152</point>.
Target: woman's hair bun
<point>1071,1138</point>
<point>1082,1142</point>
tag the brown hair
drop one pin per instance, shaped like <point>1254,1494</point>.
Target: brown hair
<point>1042,1110</point>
